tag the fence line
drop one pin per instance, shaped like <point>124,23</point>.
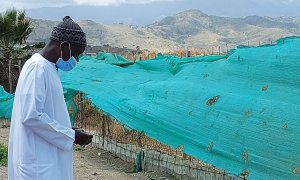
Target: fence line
<point>155,161</point>
<point>133,146</point>
<point>220,49</point>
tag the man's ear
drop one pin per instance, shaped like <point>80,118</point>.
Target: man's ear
<point>64,44</point>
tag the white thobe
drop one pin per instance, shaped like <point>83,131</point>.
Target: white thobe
<point>41,138</point>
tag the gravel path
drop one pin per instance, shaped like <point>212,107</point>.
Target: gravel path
<point>92,163</point>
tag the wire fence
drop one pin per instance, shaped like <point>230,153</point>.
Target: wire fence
<point>215,49</point>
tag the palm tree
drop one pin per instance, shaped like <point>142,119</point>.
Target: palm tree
<point>15,28</point>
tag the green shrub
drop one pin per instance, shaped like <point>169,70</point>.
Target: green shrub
<point>3,155</point>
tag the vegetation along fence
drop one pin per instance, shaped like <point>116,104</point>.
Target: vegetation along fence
<point>136,147</point>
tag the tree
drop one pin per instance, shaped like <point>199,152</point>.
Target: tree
<point>15,28</point>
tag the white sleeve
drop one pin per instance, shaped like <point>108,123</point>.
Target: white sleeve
<point>33,97</point>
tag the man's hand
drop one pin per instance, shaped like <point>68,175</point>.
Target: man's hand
<point>82,138</point>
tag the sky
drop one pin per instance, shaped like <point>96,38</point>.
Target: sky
<point>28,4</point>
<point>147,11</point>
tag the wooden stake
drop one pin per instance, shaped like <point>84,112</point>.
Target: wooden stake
<point>9,76</point>
<point>227,48</point>
<point>20,66</point>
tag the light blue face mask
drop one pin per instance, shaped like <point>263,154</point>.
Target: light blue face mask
<point>66,65</point>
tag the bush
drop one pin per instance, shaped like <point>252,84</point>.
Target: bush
<point>3,155</point>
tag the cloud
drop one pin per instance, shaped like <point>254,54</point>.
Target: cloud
<point>28,4</point>
<point>114,2</point>
<point>99,2</point>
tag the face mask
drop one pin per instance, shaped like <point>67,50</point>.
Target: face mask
<point>66,65</point>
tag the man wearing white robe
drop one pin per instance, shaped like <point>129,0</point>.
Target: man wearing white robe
<point>41,137</point>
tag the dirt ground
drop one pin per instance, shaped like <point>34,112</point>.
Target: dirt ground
<point>92,163</point>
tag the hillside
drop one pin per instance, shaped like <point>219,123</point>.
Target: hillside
<point>188,29</point>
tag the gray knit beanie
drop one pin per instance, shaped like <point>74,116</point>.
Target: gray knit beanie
<point>68,31</point>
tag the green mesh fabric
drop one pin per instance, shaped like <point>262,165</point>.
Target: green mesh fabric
<point>6,102</point>
<point>113,59</point>
<point>239,112</point>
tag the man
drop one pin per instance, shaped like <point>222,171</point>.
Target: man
<point>41,137</point>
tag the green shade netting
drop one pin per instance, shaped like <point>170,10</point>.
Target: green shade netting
<point>6,103</point>
<point>113,59</point>
<point>239,112</point>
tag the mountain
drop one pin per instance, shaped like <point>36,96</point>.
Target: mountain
<point>196,29</point>
<point>133,12</point>
<point>191,28</point>
<point>136,14</point>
